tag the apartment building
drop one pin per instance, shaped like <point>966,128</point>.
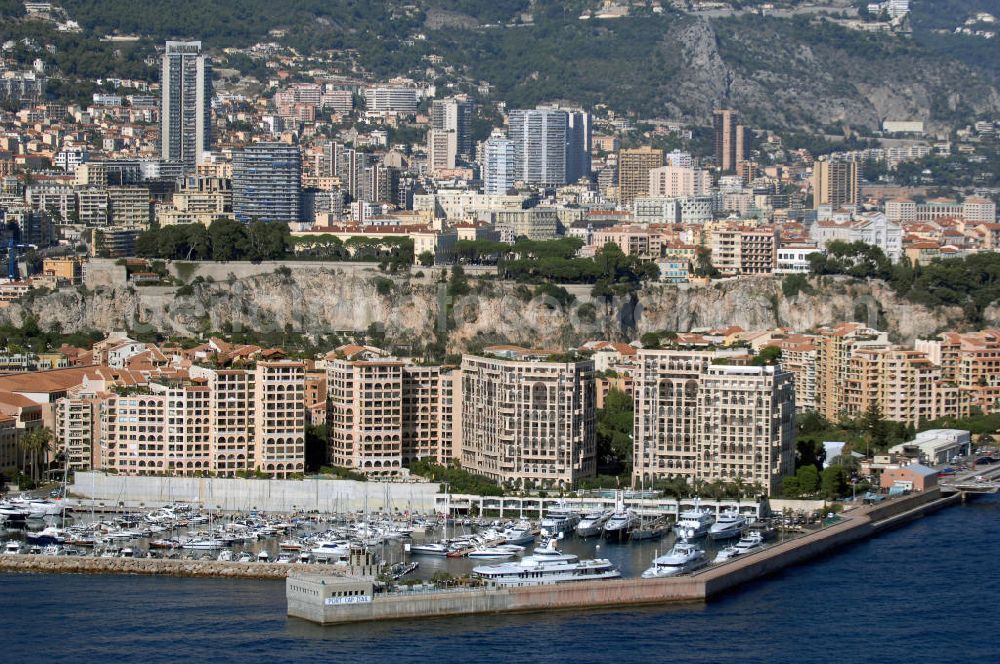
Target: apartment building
<point>743,250</point>
<point>699,419</point>
<point>731,139</point>
<point>528,421</point>
<point>634,168</point>
<point>77,425</point>
<point>676,181</point>
<point>211,422</point>
<point>161,430</point>
<point>798,357</point>
<point>970,360</point>
<point>386,412</point>
<point>904,384</point>
<point>232,415</point>
<point>280,418</point>
<point>834,347</point>
<point>836,183</point>
<point>365,422</point>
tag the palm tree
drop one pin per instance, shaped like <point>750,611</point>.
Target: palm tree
<point>35,443</point>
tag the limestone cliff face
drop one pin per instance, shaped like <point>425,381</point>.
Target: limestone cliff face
<point>323,301</point>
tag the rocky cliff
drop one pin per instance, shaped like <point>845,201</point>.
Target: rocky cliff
<point>321,301</point>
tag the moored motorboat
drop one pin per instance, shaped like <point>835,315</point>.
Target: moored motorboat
<point>50,535</point>
<point>683,557</point>
<point>729,525</point>
<point>749,543</point>
<point>522,533</point>
<point>693,523</point>
<point>559,521</point>
<point>430,549</point>
<point>592,523</point>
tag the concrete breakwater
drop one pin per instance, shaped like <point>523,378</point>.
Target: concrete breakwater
<point>310,596</point>
<point>151,567</point>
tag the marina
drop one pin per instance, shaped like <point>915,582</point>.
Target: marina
<point>187,614</point>
<point>314,598</point>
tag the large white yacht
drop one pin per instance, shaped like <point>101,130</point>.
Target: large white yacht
<point>559,520</point>
<point>730,524</point>
<point>522,533</point>
<point>545,566</point>
<point>592,523</point>
<point>684,557</point>
<point>331,550</point>
<point>693,523</point>
<point>619,526</point>
<point>428,549</point>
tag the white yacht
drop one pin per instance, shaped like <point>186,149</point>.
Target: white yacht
<point>559,520</point>
<point>522,533</point>
<point>550,553</point>
<point>684,557</point>
<point>693,523</point>
<point>749,543</point>
<point>730,524</point>
<point>331,550</point>
<point>430,549</point>
<point>546,566</point>
<point>50,535</point>
<point>203,544</point>
<point>592,523</point>
<point>499,552</point>
<point>619,526</point>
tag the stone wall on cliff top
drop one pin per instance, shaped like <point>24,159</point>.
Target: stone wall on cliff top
<point>325,300</point>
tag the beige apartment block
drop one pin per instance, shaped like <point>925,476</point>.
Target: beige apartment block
<point>904,384</point>
<point>970,360</point>
<point>834,347</point>
<point>527,421</point>
<point>701,420</point>
<point>798,357</point>
<point>386,412</point>
<point>215,422</point>
<point>634,166</point>
<point>280,418</point>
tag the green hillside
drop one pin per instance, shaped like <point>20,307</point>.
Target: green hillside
<point>801,72</point>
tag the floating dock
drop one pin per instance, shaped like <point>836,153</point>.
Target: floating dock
<point>332,600</point>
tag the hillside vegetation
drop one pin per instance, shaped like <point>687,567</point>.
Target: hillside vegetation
<point>799,72</point>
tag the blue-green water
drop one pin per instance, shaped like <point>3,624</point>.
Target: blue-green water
<point>926,592</point>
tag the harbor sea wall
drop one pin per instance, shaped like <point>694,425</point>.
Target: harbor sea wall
<point>304,602</point>
<point>151,567</point>
<point>240,495</point>
<point>857,524</point>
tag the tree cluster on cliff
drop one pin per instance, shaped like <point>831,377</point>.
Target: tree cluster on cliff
<point>223,240</point>
<point>971,282</point>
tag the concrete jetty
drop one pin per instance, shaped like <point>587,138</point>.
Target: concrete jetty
<point>155,567</point>
<point>324,599</point>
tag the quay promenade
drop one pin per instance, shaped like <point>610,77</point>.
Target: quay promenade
<point>315,598</point>
<point>102,492</point>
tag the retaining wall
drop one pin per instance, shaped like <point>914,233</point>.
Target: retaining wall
<point>240,495</point>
